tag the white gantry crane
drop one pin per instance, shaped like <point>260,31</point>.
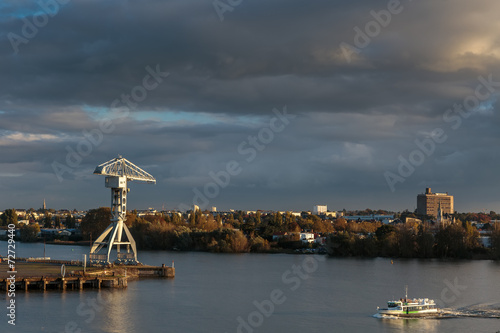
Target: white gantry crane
<point>118,172</point>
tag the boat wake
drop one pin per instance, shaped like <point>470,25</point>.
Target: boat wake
<point>486,310</point>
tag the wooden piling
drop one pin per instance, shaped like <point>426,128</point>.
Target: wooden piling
<point>43,284</point>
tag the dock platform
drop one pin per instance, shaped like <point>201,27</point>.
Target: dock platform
<point>39,275</point>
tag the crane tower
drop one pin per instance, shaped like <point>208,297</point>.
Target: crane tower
<point>118,172</point>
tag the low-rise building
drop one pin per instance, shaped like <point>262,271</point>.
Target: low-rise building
<point>307,237</point>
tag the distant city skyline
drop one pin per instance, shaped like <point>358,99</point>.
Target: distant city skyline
<point>277,105</point>
<point>315,209</point>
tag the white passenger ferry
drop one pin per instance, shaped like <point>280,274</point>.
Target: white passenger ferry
<point>406,307</point>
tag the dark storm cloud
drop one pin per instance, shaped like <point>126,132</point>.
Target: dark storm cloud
<point>354,117</point>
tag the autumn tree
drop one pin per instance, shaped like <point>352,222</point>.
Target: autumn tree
<point>259,244</point>
<point>471,239</point>
<point>192,219</point>
<point>323,226</point>
<point>340,224</point>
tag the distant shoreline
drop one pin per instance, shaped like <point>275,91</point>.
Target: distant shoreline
<point>270,251</point>
<point>474,257</point>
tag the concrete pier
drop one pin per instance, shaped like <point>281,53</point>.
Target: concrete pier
<point>67,283</point>
<point>29,276</point>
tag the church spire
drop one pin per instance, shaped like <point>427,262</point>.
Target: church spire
<point>439,214</point>
<point>44,206</point>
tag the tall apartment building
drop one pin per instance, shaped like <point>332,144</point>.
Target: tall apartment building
<point>319,209</point>
<point>428,203</point>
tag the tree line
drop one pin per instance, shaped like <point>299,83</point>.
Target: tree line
<point>205,232</point>
<point>412,240</point>
<point>240,232</point>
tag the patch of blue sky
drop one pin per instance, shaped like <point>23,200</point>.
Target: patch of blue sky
<point>487,107</point>
<point>178,118</point>
<point>9,11</point>
<point>96,112</point>
<point>26,9</point>
<point>172,116</point>
<point>197,118</point>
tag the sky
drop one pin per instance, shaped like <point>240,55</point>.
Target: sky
<point>238,104</point>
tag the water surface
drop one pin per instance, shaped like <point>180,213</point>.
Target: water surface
<point>262,293</point>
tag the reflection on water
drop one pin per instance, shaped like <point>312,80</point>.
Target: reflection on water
<point>417,324</point>
<point>116,315</point>
<point>211,291</point>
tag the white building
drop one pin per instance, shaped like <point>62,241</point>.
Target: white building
<point>319,209</point>
<point>307,237</point>
<point>331,214</point>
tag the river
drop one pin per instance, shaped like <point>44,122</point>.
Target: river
<point>263,293</point>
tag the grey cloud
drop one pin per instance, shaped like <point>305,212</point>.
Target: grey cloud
<point>353,119</point>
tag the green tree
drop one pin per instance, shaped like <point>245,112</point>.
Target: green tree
<point>47,221</point>
<point>248,228</point>
<point>450,242</point>
<point>425,242</point>
<point>70,222</point>
<point>8,217</point>
<point>95,222</point>
<point>341,244</point>
<point>29,233</point>
<point>387,239</point>
<point>57,222</point>
<point>495,243</point>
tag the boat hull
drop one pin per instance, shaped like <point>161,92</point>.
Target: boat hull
<point>410,314</point>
